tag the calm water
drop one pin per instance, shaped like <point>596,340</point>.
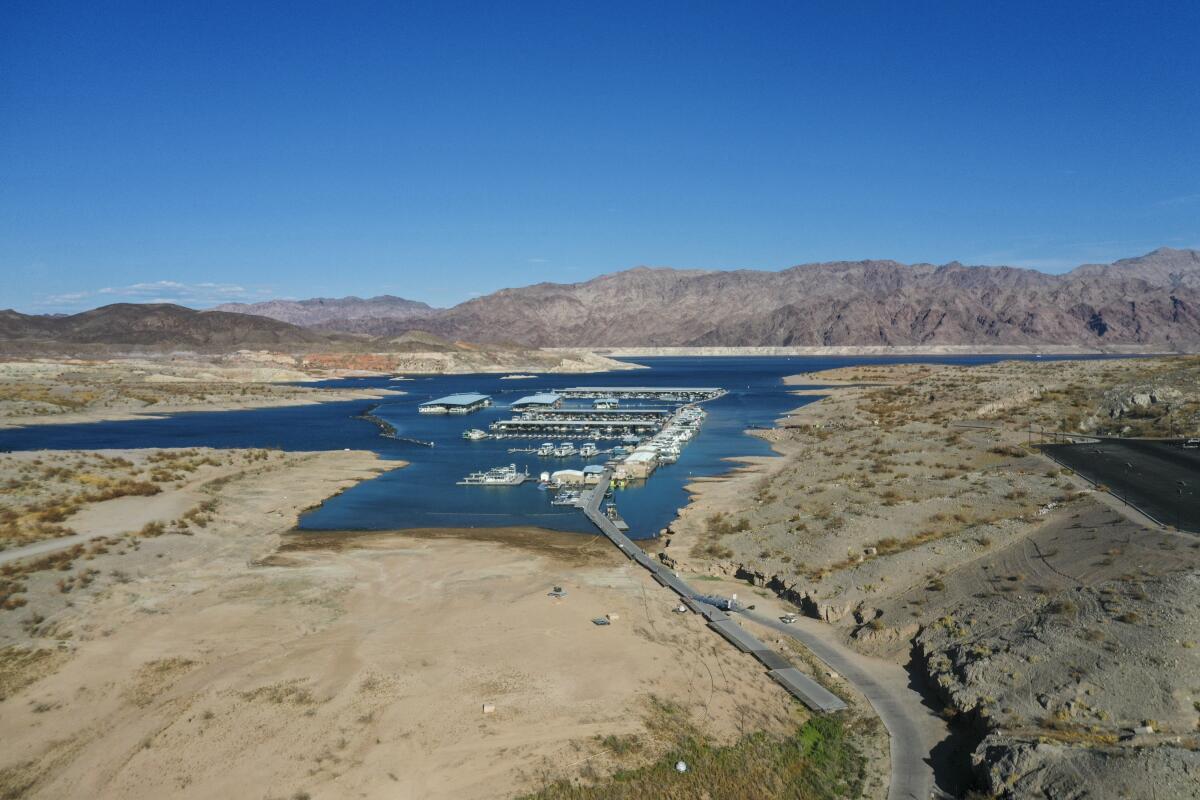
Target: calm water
<point>424,493</point>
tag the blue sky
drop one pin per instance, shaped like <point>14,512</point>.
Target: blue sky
<point>210,151</point>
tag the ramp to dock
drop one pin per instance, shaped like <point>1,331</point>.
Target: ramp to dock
<point>799,685</point>
<point>811,693</point>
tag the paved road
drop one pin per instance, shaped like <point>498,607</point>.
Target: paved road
<point>1160,478</point>
<point>913,729</point>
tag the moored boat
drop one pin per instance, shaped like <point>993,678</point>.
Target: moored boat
<point>497,476</point>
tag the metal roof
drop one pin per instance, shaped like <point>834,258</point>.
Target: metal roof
<point>603,412</point>
<point>593,469</point>
<point>808,691</point>
<point>737,636</point>
<point>539,399</point>
<point>642,389</point>
<point>464,399</point>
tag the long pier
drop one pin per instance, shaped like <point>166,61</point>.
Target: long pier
<point>801,686</point>
<point>666,393</point>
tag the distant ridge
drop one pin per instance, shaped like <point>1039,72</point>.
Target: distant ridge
<point>353,314</point>
<point>1152,300</point>
<point>155,326</point>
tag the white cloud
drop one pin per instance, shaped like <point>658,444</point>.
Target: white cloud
<point>165,291</point>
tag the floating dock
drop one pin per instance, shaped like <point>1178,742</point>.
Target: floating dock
<point>464,403</point>
<point>671,393</point>
<point>598,414</point>
<point>799,685</point>
<point>576,428</point>
<point>542,400</point>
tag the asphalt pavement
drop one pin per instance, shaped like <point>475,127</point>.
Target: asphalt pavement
<point>1159,478</point>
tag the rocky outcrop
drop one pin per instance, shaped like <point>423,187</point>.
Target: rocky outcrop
<point>1009,768</point>
<point>1140,399</point>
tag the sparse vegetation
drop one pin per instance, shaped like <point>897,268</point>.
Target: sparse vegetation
<point>817,762</point>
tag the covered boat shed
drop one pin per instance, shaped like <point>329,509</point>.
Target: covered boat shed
<point>463,403</point>
<point>540,400</point>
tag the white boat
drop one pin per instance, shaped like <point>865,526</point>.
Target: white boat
<point>474,434</point>
<point>588,449</point>
<point>497,476</point>
<point>547,449</point>
<point>564,449</point>
<point>565,497</point>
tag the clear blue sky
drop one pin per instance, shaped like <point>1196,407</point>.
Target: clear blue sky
<point>208,150</point>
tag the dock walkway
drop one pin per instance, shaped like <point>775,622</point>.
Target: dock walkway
<point>801,686</point>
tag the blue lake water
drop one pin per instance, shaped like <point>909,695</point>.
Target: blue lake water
<point>424,494</point>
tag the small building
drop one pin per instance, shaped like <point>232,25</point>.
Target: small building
<point>455,404</point>
<point>567,477</point>
<point>640,463</point>
<point>535,401</point>
<point>592,473</point>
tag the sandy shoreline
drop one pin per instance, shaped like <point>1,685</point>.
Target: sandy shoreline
<point>247,654</point>
<point>871,350</point>
<point>160,411</point>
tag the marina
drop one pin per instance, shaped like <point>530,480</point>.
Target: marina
<point>425,492</point>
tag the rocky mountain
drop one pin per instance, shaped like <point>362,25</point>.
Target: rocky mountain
<point>1163,267</point>
<point>1151,300</point>
<point>354,314</point>
<point>155,326</point>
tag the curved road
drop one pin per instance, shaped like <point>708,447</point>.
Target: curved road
<point>914,731</point>
<point>913,728</point>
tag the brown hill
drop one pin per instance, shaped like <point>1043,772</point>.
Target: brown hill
<point>154,326</point>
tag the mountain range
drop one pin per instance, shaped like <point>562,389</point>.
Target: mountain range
<point>1150,300</point>
<point>352,314</point>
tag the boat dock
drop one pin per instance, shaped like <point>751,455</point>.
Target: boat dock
<point>798,684</point>
<point>668,393</point>
<point>599,414</point>
<point>576,428</point>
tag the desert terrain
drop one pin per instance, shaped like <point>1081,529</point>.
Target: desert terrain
<point>207,648</point>
<point>1057,629</point>
<point>70,390</point>
<point>161,623</point>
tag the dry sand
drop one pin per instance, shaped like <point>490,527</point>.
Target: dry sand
<point>68,391</point>
<point>219,664</point>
